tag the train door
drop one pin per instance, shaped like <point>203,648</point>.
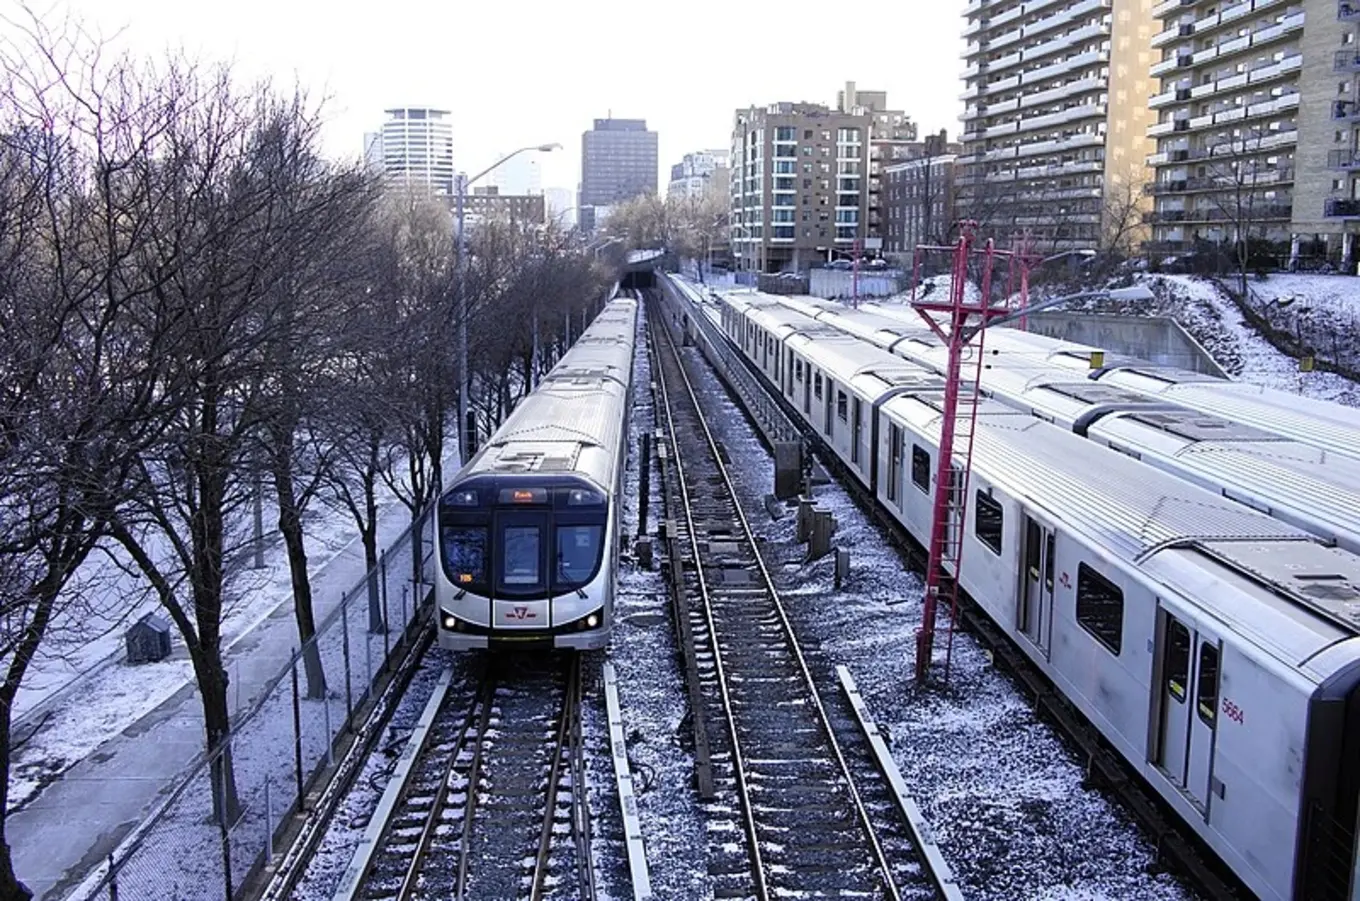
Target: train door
<point>807,388</point>
<point>1189,707</point>
<point>856,428</point>
<point>830,405</point>
<point>1036,594</point>
<point>789,373</point>
<point>519,557</point>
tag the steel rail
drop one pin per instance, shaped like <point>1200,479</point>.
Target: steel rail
<point>880,857</point>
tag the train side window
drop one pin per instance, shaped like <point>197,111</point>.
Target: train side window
<point>894,459</point>
<point>817,385</point>
<point>988,521</point>
<point>920,468</point>
<point>1207,688</point>
<point>1100,608</point>
<point>1048,563</point>
<point>797,370</point>
<point>1177,659</point>
<point>841,407</point>
<point>1032,550</point>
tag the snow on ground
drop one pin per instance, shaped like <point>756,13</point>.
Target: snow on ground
<point>1002,791</point>
<point>652,689</point>
<point>1204,309</point>
<point>336,847</point>
<point>87,657</point>
<point>1338,294</point>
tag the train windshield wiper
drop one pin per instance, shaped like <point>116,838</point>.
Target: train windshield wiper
<point>562,573</point>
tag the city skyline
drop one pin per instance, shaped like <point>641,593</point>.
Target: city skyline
<point>367,64</point>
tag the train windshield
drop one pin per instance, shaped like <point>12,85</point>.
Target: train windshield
<point>578,555</point>
<point>465,556</point>
<point>531,543</point>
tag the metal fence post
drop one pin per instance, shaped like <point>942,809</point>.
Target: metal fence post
<point>330,734</point>
<point>368,655</point>
<point>297,733</point>
<point>268,823</point>
<point>222,825</point>
<point>382,577</point>
<point>349,692</point>
<point>113,879</point>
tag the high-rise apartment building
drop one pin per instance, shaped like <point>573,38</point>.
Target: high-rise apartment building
<point>1056,117</point>
<point>416,149</point>
<point>1257,134</point>
<point>698,174</point>
<point>618,162</point>
<point>805,183</point>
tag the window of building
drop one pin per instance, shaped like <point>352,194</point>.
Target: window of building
<point>785,133</point>
<point>807,134</point>
<point>1100,608</point>
<point>807,150</point>
<point>920,467</point>
<point>988,520</point>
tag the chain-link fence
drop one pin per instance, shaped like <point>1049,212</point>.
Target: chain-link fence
<point>191,849</point>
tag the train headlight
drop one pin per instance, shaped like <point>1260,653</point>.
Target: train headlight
<point>450,622</point>
<point>592,621</point>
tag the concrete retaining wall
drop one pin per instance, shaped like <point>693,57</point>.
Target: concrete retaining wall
<point>1154,338</point>
<point>840,283</point>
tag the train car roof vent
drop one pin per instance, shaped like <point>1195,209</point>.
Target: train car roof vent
<point>1327,587</point>
<point>556,464</point>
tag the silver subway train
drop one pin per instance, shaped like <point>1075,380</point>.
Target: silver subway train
<point>529,528</point>
<point>1216,648</point>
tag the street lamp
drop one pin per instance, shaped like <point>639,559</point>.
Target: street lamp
<point>1025,268</point>
<point>465,428</point>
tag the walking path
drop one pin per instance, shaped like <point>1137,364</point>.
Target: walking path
<point>79,819</point>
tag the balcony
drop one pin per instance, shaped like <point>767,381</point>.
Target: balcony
<point>1341,208</point>
<point>1345,160</point>
<point>1172,63</point>
<point>1346,61</point>
<point>1176,31</point>
<point>1347,11</point>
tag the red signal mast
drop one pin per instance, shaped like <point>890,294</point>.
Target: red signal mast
<point>957,321</point>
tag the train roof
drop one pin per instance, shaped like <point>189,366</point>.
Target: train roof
<point>1140,515</point>
<point>574,422</point>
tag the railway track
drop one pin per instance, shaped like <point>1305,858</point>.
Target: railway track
<point>489,803</point>
<point>794,811</point>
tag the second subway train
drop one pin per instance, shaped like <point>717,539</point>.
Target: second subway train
<point>1216,648</point>
<point>528,531</point>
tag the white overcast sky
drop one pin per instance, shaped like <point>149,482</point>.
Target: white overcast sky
<point>517,72</point>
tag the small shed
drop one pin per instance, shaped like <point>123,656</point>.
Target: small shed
<point>148,640</point>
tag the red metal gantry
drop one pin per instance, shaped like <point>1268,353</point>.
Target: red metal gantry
<point>957,321</point>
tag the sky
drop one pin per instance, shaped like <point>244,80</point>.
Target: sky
<point>539,71</point>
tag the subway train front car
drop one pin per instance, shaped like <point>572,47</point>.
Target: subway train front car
<point>529,530</point>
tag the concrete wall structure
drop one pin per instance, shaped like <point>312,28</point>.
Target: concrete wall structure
<point>1153,338</point>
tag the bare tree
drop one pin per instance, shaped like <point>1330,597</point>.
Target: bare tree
<point>226,242</point>
<point>1123,206</point>
<point>80,392</point>
<point>1239,174</point>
